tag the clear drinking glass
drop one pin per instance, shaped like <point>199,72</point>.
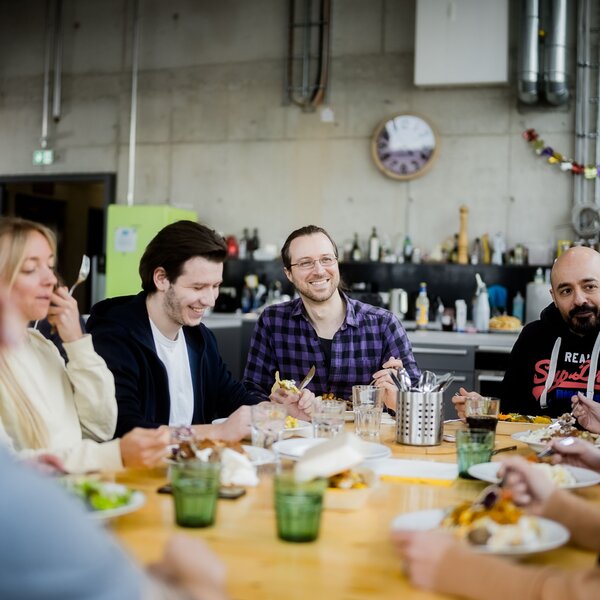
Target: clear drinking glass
<point>268,422</point>
<point>367,402</point>
<point>482,412</point>
<point>328,418</point>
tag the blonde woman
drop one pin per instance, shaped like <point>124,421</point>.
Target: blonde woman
<point>46,405</point>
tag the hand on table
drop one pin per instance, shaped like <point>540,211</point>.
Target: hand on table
<point>234,429</point>
<point>383,379</point>
<point>578,453</point>
<point>530,487</point>
<point>144,448</point>
<point>422,554</point>
<point>190,565</point>
<point>587,412</point>
<point>299,406</point>
<point>459,401</point>
<point>63,314</point>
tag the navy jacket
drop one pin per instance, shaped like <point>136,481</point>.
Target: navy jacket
<point>121,333</point>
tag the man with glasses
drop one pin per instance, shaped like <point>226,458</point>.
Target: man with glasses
<point>349,342</point>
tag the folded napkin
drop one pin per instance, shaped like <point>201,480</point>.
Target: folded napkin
<point>236,469</point>
<point>396,470</point>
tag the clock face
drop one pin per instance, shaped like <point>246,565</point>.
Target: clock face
<point>404,146</point>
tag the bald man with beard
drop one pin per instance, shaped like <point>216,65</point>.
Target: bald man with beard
<point>554,362</point>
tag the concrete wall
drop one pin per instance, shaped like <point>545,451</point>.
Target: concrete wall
<point>214,135</point>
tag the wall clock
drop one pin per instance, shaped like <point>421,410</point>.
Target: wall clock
<point>404,146</point>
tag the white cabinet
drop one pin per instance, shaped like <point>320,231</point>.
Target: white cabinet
<point>461,42</point>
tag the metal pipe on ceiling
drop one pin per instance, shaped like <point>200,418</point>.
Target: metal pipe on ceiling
<point>555,56</point>
<point>529,57</point>
<point>133,112</point>
<point>56,97</point>
<point>47,59</point>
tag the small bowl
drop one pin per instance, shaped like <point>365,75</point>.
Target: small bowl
<point>352,499</point>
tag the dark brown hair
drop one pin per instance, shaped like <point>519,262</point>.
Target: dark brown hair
<point>175,244</point>
<point>306,230</point>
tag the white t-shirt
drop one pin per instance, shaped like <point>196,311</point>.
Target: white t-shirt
<point>174,355</point>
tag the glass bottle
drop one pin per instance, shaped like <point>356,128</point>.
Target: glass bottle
<point>356,251</point>
<point>408,249</point>
<point>374,246</point>
<point>422,307</point>
<point>243,246</point>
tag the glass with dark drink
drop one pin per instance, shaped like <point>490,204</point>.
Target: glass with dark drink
<point>482,412</point>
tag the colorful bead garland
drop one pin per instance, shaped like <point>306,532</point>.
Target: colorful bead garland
<point>555,158</point>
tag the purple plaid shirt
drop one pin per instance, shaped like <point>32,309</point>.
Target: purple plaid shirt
<point>285,341</point>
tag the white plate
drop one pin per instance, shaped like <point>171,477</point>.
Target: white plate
<point>257,456</point>
<point>301,424</point>
<point>553,535</point>
<point>137,500</point>
<point>296,447</point>
<point>535,446</point>
<point>489,472</point>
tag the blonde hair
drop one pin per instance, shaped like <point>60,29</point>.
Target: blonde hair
<point>14,235</point>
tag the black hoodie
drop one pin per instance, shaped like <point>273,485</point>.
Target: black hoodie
<point>525,383</point>
<point>122,335</point>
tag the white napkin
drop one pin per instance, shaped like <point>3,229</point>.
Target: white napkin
<point>236,469</point>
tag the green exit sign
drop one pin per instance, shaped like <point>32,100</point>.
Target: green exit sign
<point>43,157</point>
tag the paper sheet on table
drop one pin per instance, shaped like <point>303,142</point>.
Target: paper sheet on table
<point>397,470</point>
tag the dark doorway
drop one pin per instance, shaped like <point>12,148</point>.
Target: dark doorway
<point>74,207</point>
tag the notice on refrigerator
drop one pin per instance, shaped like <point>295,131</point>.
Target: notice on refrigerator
<point>125,239</point>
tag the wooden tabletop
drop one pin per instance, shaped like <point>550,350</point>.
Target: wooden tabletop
<point>352,559</point>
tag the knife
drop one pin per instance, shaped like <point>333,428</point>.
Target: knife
<point>307,379</point>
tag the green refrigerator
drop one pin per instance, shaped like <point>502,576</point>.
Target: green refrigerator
<point>129,229</point>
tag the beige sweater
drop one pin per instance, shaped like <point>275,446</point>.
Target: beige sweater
<point>478,577</point>
<point>76,402</point>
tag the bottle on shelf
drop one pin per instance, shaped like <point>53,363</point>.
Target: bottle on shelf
<point>476,254</point>
<point>481,308</point>
<point>461,314</point>
<point>254,243</point>
<point>374,246</point>
<point>518,306</point>
<point>243,245</point>
<point>356,254</point>
<point>408,249</point>
<point>463,242</point>
<point>422,307</point>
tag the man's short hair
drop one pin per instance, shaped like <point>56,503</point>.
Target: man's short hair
<point>306,230</point>
<point>175,244</point>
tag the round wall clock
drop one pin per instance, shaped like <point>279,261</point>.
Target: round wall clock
<point>404,146</point>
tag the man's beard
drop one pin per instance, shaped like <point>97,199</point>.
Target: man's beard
<point>587,324</point>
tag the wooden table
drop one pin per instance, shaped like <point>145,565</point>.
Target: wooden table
<point>353,557</point>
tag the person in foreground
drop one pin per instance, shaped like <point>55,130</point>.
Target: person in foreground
<point>165,362</point>
<point>45,405</point>
<point>348,341</point>
<point>556,358</point>
<point>436,561</point>
<point>50,549</point>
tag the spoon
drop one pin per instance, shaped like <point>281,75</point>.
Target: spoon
<point>84,271</point>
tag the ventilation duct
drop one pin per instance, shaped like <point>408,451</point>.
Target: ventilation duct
<point>529,59</point>
<point>547,48</point>
<point>555,59</point>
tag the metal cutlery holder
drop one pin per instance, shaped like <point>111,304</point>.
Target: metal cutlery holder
<point>420,418</point>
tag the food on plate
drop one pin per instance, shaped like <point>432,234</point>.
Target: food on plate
<point>98,495</point>
<point>493,520</point>
<point>202,449</point>
<point>286,384</point>
<point>518,418</point>
<point>505,323</point>
<point>560,476</point>
<point>564,427</point>
<point>291,422</point>
<point>348,480</point>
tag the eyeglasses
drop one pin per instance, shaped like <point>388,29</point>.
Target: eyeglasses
<point>324,261</point>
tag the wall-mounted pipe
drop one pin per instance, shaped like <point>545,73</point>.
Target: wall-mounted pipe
<point>56,96</point>
<point>528,86</point>
<point>555,58</point>
<point>47,59</point>
<point>133,113</point>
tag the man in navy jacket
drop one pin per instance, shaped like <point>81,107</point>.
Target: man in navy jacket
<point>166,363</point>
